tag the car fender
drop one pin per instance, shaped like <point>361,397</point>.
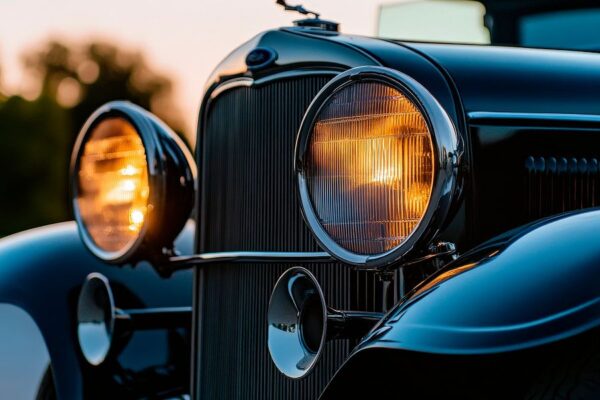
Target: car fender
<point>24,357</point>
<point>41,273</point>
<point>529,287</point>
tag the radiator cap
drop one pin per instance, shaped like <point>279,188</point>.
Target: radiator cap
<point>318,24</point>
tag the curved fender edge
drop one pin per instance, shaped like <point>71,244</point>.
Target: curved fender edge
<point>41,272</point>
<point>533,286</point>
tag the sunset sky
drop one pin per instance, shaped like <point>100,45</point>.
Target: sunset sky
<point>184,39</point>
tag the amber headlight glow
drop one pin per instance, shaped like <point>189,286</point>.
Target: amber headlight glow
<point>113,184</point>
<point>376,154</point>
<point>133,184</point>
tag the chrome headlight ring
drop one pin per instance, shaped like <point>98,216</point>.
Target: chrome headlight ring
<point>447,146</point>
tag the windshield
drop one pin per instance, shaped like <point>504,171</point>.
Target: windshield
<point>434,21</point>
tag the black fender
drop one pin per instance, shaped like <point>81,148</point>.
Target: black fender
<point>527,289</point>
<point>41,272</point>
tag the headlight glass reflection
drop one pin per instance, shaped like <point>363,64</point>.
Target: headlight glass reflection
<point>113,185</point>
<point>369,167</point>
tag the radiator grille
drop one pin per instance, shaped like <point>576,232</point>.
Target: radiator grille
<point>250,203</point>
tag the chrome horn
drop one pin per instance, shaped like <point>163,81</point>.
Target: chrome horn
<point>300,322</point>
<point>100,323</point>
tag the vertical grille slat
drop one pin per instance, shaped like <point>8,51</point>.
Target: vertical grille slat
<point>251,204</point>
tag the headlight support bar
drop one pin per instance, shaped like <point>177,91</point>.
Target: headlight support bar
<point>170,264</point>
<point>176,263</point>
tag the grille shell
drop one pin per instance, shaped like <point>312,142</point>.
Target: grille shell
<point>250,203</point>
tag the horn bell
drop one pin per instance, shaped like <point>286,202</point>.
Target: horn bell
<point>103,329</point>
<point>297,319</point>
<point>96,315</point>
<point>300,323</point>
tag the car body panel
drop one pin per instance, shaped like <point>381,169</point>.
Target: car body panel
<point>23,354</point>
<point>508,79</point>
<point>529,287</point>
<point>488,92</point>
<point>532,286</point>
<point>42,272</point>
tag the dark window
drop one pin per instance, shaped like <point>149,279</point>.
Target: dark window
<point>567,29</point>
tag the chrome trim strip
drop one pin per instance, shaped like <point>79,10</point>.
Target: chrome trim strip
<point>240,257</point>
<point>248,81</point>
<point>230,84</point>
<point>296,73</point>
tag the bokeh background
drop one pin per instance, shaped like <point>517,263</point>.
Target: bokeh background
<point>61,59</point>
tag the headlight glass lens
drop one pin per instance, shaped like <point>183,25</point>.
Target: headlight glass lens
<point>113,185</point>
<point>369,167</point>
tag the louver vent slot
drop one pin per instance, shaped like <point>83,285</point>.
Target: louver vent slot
<point>558,184</point>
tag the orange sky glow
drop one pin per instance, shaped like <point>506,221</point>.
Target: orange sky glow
<point>183,39</point>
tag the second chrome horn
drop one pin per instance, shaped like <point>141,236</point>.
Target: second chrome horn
<point>300,322</point>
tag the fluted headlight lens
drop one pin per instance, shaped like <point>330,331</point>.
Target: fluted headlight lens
<point>133,185</point>
<point>369,167</point>
<point>113,189</point>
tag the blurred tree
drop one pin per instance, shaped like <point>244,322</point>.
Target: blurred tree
<point>36,136</point>
<point>33,163</point>
<point>82,78</point>
<point>2,95</point>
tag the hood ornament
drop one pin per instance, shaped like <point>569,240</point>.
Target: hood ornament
<point>314,23</point>
<point>299,8</point>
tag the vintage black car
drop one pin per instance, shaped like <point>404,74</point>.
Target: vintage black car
<point>370,218</point>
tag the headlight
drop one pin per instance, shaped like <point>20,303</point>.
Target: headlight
<point>133,183</point>
<point>376,159</point>
<point>113,184</point>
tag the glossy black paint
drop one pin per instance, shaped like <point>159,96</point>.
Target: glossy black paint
<point>528,288</point>
<point>260,57</point>
<point>492,95</point>
<point>476,86</point>
<point>309,51</point>
<point>300,52</point>
<point>499,308</point>
<point>42,273</point>
<point>532,373</point>
<point>532,165</point>
<point>464,79</point>
<point>508,79</point>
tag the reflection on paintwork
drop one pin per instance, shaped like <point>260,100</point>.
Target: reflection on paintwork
<point>443,277</point>
<point>95,317</point>
<point>94,340</point>
<point>535,286</point>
